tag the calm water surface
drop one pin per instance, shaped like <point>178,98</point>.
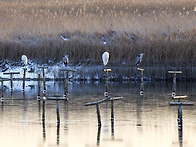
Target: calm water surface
<point>138,121</point>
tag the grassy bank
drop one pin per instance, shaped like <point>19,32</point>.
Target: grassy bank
<point>163,30</point>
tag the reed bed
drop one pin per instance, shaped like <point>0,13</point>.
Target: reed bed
<point>163,30</point>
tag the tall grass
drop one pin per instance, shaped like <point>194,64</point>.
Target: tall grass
<point>163,30</point>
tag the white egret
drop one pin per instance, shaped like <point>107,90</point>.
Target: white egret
<point>139,59</point>
<point>105,58</point>
<point>65,60</point>
<point>24,59</point>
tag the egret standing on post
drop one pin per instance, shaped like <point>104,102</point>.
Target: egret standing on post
<point>105,58</point>
<point>65,60</point>
<point>24,60</point>
<point>139,59</point>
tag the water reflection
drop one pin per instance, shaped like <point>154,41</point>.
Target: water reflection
<point>139,110</point>
<point>98,135</point>
<point>43,119</point>
<point>180,128</point>
<point>58,120</point>
<point>66,115</point>
<point>123,120</point>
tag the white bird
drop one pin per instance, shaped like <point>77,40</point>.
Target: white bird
<point>24,59</point>
<point>65,39</point>
<point>105,58</point>
<point>139,59</point>
<point>65,60</point>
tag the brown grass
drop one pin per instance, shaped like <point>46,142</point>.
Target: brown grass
<point>164,30</point>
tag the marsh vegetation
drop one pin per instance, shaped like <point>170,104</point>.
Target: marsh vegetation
<point>163,30</point>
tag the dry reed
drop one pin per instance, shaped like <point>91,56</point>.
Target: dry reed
<point>163,30</point>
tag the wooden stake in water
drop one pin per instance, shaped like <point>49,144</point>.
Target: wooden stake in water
<point>2,92</point>
<point>11,78</point>
<point>98,115</point>
<point>39,87</point>
<point>142,80</point>
<point>44,78</point>
<point>67,70</point>
<point>107,88</point>
<point>97,108</point>
<point>66,89</point>
<point>2,88</point>
<point>57,111</point>
<point>174,81</point>
<point>24,78</point>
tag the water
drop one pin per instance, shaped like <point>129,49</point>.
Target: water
<point>138,121</point>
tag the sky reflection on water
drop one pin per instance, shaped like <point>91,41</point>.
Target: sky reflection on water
<point>138,121</point>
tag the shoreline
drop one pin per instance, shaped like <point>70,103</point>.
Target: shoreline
<point>96,74</point>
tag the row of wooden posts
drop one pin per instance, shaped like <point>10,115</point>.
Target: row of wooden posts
<point>11,74</point>
<point>106,98</point>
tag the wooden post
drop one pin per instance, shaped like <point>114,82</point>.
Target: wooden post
<point>2,88</point>
<point>98,115</point>
<point>106,93</point>
<point>174,85</point>
<point>97,108</point>
<point>11,78</point>
<point>39,87</point>
<point>142,80</point>
<point>2,96</point>
<point>44,78</point>
<point>67,75</point>
<point>174,81</point>
<point>24,78</point>
<point>57,111</point>
<point>67,70</point>
<point>66,89</point>
<point>44,86</point>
